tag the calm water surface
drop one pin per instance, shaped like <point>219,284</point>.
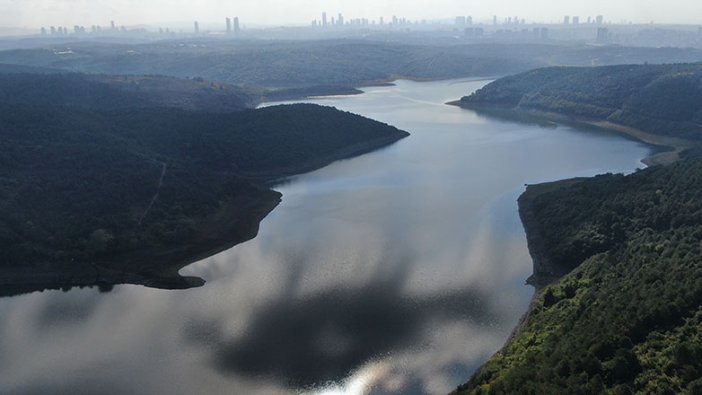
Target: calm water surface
<point>399,271</point>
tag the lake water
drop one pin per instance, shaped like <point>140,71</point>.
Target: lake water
<point>399,271</point>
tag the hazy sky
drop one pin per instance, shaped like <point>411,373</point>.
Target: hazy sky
<point>33,13</point>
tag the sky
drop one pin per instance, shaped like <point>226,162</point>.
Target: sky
<point>36,13</point>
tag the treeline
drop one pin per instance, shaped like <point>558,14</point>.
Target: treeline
<point>123,91</point>
<point>342,63</point>
<point>628,317</point>
<point>660,99</point>
<point>77,182</point>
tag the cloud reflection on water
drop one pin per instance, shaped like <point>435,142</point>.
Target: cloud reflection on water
<point>399,271</point>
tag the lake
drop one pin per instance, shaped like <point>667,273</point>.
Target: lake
<point>399,271</point>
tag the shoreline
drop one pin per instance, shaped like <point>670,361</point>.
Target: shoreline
<point>274,177</point>
<point>321,91</point>
<point>544,272</point>
<point>669,147</point>
<point>236,222</point>
<point>155,268</point>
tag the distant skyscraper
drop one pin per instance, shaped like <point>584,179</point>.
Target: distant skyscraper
<point>589,20</point>
<point>473,32</point>
<point>602,35</point>
<point>544,33</point>
<point>52,30</point>
<point>197,27</point>
<point>469,20</point>
<point>112,25</point>
<point>494,20</point>
<point>229,25</point>
<point>324,19</point>
<point>340,20</point>
<point>566,20</point>
<point>460,20</point>
<point>382,21</point>
<point>599,19</point>
<point>576,20</point>
<point>237,28</point>
<point>43,31</point>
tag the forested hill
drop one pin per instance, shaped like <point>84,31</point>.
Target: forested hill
<point>659,99</point>
<point>123,91</point>
<point>91,195</point>
<point>346,63</point>
<point>628,318</point>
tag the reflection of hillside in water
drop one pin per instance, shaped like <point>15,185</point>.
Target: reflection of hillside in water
<point>399,271</point>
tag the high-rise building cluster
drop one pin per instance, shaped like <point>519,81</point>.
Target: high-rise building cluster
<point>82,30</point>
<point>575,20</point>
<point>340,21</point>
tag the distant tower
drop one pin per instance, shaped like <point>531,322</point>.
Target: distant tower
<point>340,20</point>
<point>576,20</point>
<point>602,35</point>
<point>197,27</point>
<point>566,20</point>
<point>43,31</point>
<point>469,20</point>
<point>460,20</point>
<point>599,20</point>
<point>112,25</point>
<point>544,33</point>
<point>494,19</point>
<point>52,30</point>
<point>236,25</point>
<point>382,21</point>
<point>324,19</point>
<point>229,25</point>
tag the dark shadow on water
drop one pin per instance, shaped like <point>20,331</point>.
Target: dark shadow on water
<point>302,342</point>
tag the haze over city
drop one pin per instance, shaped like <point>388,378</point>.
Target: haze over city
<point>36,13</point>
<point>337,197</point>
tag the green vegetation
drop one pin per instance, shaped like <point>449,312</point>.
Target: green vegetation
<point>124,91</point>
<point>628,317</point>
<point>332,63</point>
<point>99,193</point>
<point>659,99</point>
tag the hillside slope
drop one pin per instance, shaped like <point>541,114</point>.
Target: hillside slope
<point>628,316</point>
<point>124,91</point>
<point>92,195</point>
<point>345,63</point>
<point>659,99</point>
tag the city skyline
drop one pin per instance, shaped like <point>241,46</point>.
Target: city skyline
<point>38,13</point>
